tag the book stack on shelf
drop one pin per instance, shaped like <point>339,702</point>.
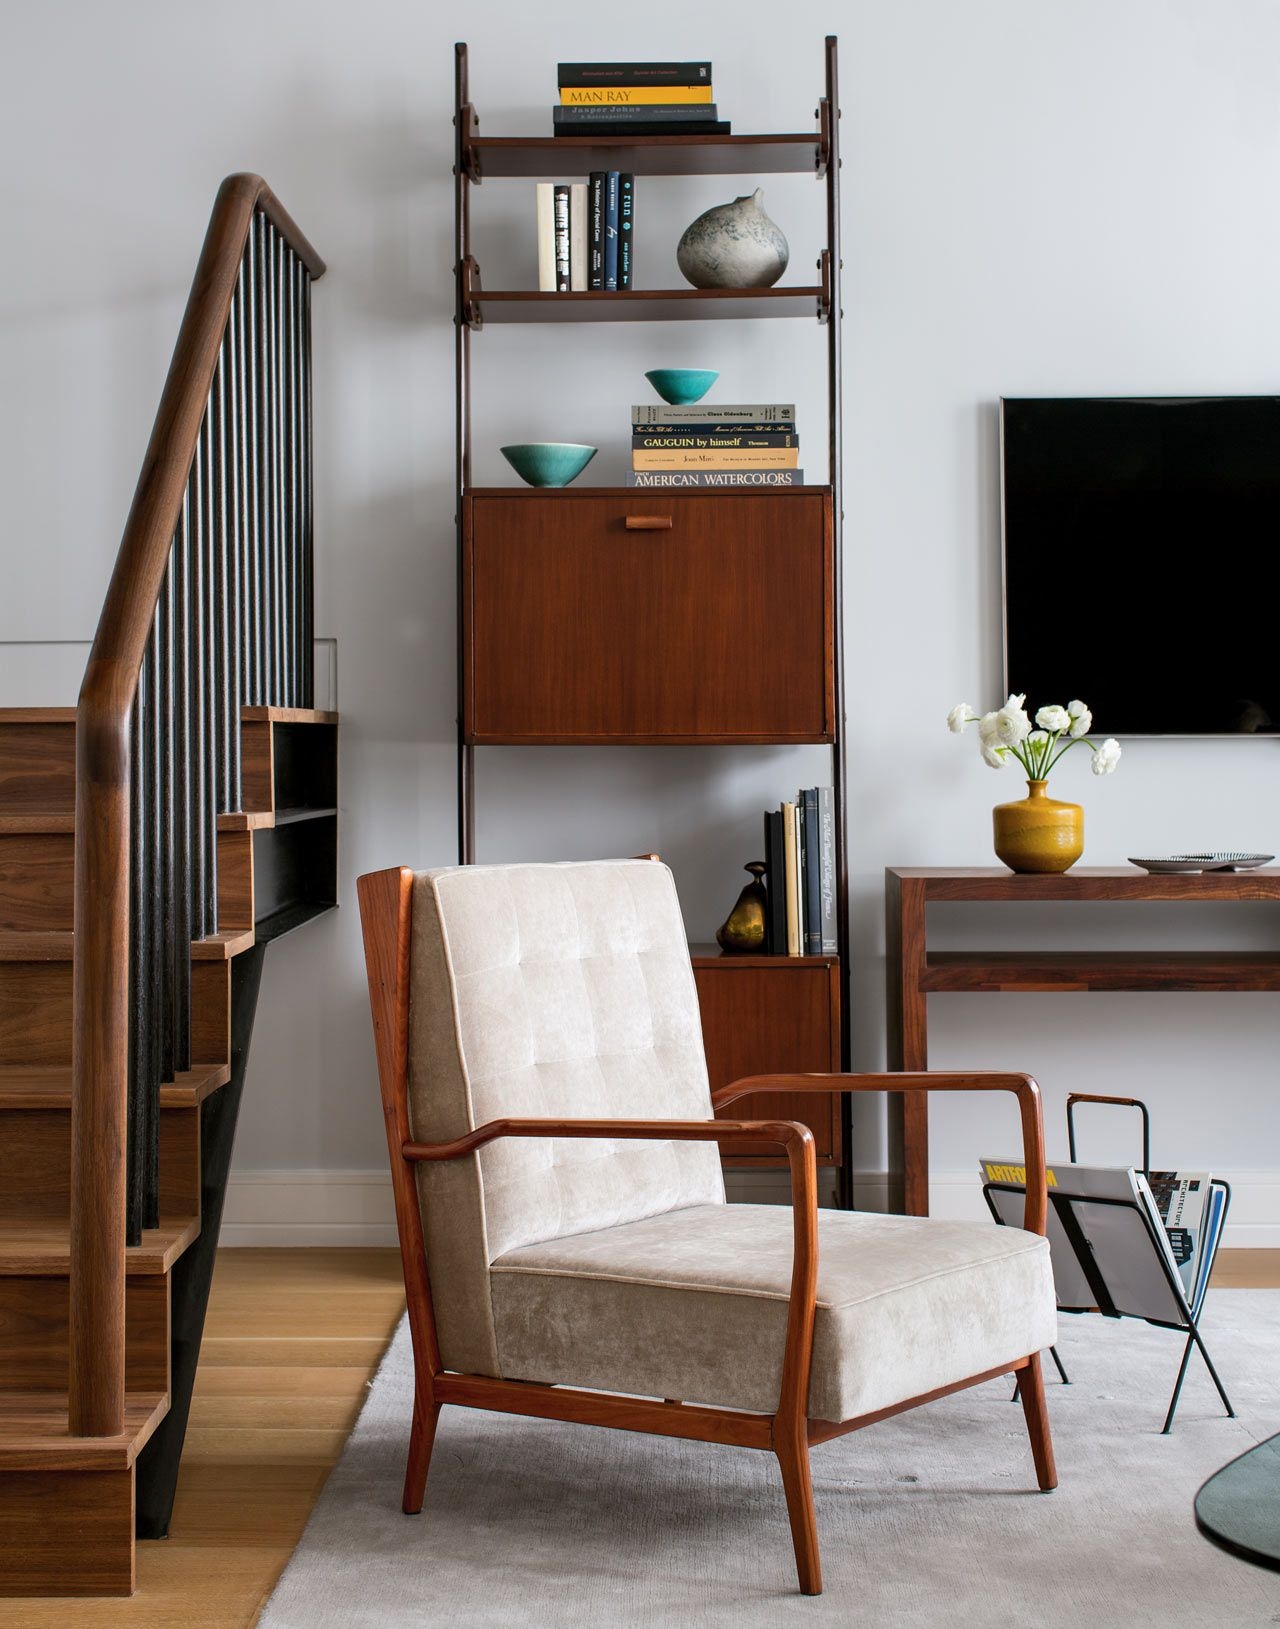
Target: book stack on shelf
<point>586,233</point>
<point>738,444</point>
<point>800,883</point>
<point>636,99</point>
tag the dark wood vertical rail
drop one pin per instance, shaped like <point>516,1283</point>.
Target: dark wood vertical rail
<point>117,754</point>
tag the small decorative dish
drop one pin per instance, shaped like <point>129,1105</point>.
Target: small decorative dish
<point>548,463</point>
<point>681,387</point>
<point>1219,860</point>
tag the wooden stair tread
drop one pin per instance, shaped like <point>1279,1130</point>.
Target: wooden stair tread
<point>17,946</point>
<point>267,819</point>
<point>287,715</point>
<point>37,715</point>
<point>37,820</point>
<point>43,1249</point>
<point>33,1433</point>
<point>48,1086</point>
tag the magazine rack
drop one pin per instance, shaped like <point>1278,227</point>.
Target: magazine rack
<point>1073,1213</point>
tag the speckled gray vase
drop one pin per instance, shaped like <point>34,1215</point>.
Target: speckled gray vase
<point>734,246</point>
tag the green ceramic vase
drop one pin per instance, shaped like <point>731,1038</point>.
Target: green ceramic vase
<point>1038,833</point>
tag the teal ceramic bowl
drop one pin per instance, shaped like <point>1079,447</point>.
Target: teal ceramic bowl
<point>680,386</point>
<point>548,463</point>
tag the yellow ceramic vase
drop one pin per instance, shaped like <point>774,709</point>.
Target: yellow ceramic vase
<point>1038,833</point>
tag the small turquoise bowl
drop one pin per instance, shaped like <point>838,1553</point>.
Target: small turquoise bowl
<point>680,386</point>
<point>549,463</point>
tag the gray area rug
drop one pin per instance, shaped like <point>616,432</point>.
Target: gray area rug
<point>929,1518</point>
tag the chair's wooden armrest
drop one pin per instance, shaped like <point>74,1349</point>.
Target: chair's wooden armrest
<point>790,1134</point>
<point>1023,1087</point>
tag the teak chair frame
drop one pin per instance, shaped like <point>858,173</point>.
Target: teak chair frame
<point>385,909</point>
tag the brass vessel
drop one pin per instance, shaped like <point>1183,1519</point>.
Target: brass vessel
<point>743,930</point>
<point>1038,833</point>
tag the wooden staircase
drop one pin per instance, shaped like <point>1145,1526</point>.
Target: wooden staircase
<point>194,787</point>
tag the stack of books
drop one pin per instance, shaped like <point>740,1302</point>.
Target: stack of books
<point>800,852</point>
<point>636,99</point>
<point>586,233</point>
<point>739,444</point>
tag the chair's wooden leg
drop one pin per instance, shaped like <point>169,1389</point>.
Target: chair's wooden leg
<point>1031,1386</point>
<point>792,1449</point>
<point>422,1435</point>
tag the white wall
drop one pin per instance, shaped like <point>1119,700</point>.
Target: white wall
<point>1069,196</point>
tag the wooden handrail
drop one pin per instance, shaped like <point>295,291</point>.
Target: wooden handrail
<point>100,991</point>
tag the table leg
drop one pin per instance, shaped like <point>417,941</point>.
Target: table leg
<point>908,1046</point>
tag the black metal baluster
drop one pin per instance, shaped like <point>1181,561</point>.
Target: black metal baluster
<point>210,676</point>
<point>276,630</point>
<point>290,361</point>
<point>308,505</point>
<point>265,468</point>
<point>181,795</point>
<point>195,706</point>
<point>218,431</point>
<point>166,980</point>
<point>253,555</point>
<point>139,922</point>
<point>156,985</point>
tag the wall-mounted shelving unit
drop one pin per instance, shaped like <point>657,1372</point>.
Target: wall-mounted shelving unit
<point>619,616</point>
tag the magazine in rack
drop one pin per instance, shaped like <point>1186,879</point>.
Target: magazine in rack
<point>1124,1241</point>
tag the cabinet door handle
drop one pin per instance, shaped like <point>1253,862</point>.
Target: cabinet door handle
<point>648,523</point>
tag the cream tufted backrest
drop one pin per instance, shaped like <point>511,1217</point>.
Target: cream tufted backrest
<point>561,991</point>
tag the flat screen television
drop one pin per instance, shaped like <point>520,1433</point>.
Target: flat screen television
<point>1142,559</point>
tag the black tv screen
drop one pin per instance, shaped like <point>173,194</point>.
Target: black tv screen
<point>1141,558</point>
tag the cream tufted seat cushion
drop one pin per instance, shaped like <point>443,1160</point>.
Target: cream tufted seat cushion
<point>692,1304</point>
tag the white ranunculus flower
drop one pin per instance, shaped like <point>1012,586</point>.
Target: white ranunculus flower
<point>1055,719</point>
<point>994,755</point>
<point>1106,757</point>
<point>1012,726</point>
<point>959,716</point>
<point>1081,719</point>
<point>1037,738</point>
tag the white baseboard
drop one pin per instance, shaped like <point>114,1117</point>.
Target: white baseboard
<point>355,1207</point>
<point>309,1208</point>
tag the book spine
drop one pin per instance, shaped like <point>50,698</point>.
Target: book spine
<point>561,217</point>
<point>633,73</point>
<point>634,95</point>
<point>595,238</point>
<point>578,236</point>
<point>731,439</point>
<point>812,874</point>
<point>611,231</point>
<point>647,127</point>
<point>782,415</point>
<point>716,458</point>
<point>626,229</point>
<point>827,842</point>
<point>715,477</point>
<point>652,113</point>
<point>775,856</point>
<point>791,861</point>
<point>546,237</point>
<point>797,816</point>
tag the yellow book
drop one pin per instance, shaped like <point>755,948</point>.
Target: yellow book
<point>716,458</point>
<point>633,95</point>
<point>791,860</point>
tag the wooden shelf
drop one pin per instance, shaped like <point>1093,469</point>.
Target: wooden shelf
<point>1064,971</point>
<point>551,156</point>
<point>712,956</point>
<point>486,306</point>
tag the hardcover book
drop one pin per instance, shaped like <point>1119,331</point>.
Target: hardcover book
<point>611,230</point>
<point>632,95</point>
<point>633,73</point>
<point>724,413</point>
<point>812,873</point>
<point>791,842</point>
<point>578,236</point>
<point>697,113</point>
<point>715,477</point>
<point>595,229</point>
<point>561,216</point>
<point>760,458</point>
<point>827,880</point>
<point>626,229</point>
<point>775,884</point>
<point>648,127</point>
<point>674,439</point>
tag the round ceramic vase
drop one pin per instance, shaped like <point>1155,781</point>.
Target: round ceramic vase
<point>1038,833</point>
<point>734,246</point>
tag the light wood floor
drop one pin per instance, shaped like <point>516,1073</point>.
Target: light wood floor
<point>292,1339</point>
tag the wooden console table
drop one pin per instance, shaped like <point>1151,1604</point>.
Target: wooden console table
<point>913,973</point>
